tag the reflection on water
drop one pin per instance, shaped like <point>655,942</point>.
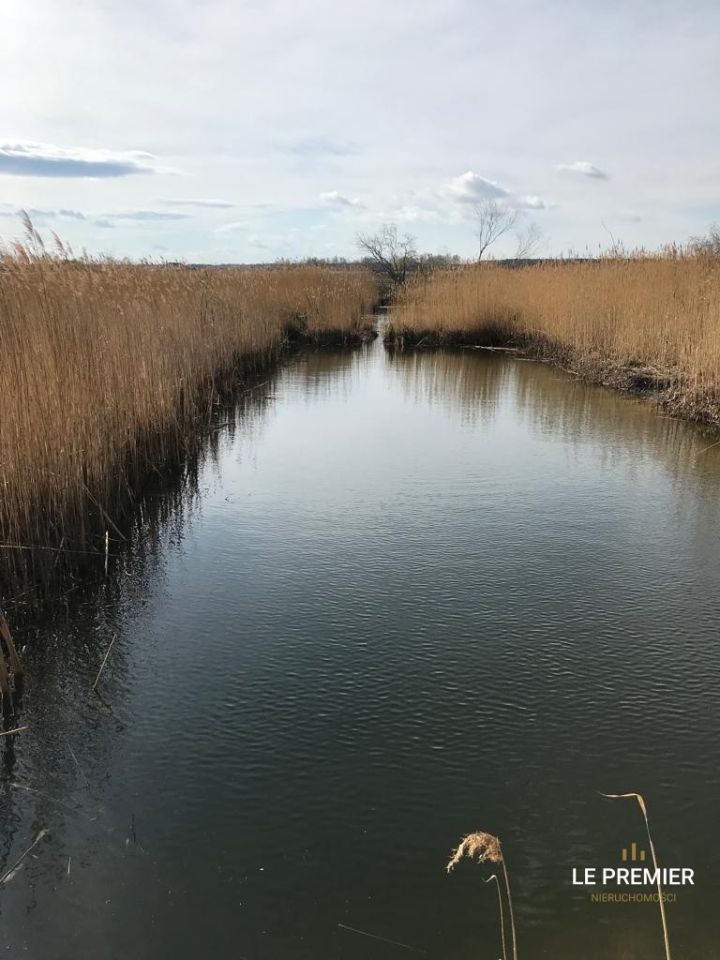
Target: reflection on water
<point>401,598</point>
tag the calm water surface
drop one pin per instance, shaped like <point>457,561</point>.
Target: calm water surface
<point>413,597</point>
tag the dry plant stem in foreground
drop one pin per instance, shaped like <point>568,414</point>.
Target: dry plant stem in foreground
<point>492,877</point>
<point>643,808</point>
<point>105,660</point>
<point>482,847</point>
<point>10,873</point>
<point>11,733</point>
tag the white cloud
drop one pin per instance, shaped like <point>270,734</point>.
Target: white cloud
<point>584,168</point>
<point>529,203</point>
<point>36,214</point>
<point>45,216</point>
<point>27,159</point>
<point>449,205</point>
<point>340,201</point>
<point>252,100</point>
<point>470,187</point>
<point>146,216</point>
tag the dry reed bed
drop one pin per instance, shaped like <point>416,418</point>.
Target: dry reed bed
<point>108,368</point>
<point>637,323</point>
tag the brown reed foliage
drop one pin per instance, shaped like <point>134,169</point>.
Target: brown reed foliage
<point>484,847</point>
<point>478,846</point>
<point>107,368</point>
<point>633,321</point>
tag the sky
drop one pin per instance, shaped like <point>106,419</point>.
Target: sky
<point>249,130</point>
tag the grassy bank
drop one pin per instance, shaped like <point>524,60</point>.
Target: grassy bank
<point>108,369</point>
<point>640,323</point>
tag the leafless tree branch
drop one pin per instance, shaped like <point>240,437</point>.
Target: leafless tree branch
<point>392,255</point>
<point>528,241</point>
<point>707,246</point>
<point>492,220</point>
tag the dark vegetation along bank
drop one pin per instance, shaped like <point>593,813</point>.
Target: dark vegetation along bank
<point>110,373</point>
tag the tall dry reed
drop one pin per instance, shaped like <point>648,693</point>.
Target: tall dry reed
<point>107,368</point>
<point>493,878</point>
<point>484,847</point>
<point>635,321</point>
<point>643,809</point>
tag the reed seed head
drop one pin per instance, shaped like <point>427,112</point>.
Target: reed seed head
<point>478,846</point>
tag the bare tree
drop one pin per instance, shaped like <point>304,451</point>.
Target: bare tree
<point>528,241</point>
<point>492,220</point>
<point>392,255</point>
<point>707,246</point>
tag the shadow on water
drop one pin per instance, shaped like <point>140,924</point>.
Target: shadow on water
<point>392,599</point>
<point>50,782</point>
<point>65,637</point>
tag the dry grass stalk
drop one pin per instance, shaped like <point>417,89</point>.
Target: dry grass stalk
<point>493,876</point>
<point>105,660</point>
<point>10,873</point>
<point>375,936</point>
<point>10,733</point>
<point>643,809</point>
<point>484,847</point>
